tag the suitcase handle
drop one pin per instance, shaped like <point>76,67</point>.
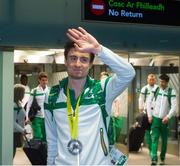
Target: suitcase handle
<point>27,141</point>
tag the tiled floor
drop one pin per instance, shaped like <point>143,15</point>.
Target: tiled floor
<point>143,158</point>
<point>140,158</point>
<point>21,158</point>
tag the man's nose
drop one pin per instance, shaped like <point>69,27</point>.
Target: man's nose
<point>78,62</point>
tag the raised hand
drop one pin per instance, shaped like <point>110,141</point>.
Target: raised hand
<point>84,42</point>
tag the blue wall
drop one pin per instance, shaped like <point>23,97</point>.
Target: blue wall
<point>43,23</point>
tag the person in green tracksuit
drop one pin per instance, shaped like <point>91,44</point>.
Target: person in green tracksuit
<point>38,124</point>
<point>160,108</point>
<point>143,98</point>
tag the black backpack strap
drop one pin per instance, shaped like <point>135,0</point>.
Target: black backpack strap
<point>34,93</point>
<point>145,94</point>
<point>156,93</point>
<point>169,96</point>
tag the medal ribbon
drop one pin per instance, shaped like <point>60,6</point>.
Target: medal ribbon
<point>73,117</point>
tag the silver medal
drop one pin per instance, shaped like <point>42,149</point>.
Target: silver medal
<point>74,147</point>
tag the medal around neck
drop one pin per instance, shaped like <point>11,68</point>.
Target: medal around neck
<point>74,147</point>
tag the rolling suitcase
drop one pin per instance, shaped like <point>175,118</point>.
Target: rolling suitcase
<point>36,151</point>
<point>136,138</point>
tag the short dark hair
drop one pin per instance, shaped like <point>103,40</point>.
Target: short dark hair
<point>164,77</point>
<point>69,45</point>
<point>23,76</point>
<point>42,75</point>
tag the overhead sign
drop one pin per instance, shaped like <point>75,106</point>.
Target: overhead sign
<point>160,12</point>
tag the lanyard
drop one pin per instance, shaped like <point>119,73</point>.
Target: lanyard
<point>73,118</point>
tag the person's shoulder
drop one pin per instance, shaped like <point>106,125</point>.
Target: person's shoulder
<point>156,86</point>
<point>33,90</point>
<point>173,91</point>
<point>37,87</point>
<point>54,89</point>
<point>92,82</point>
<point>143,89</point>
<point>47,89</point>
<point>27,88</point>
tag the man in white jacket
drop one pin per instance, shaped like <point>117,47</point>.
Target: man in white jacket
<point>160,108</point>
<point>75,111</point>
<point>38,124</point>
<point>144,96</point>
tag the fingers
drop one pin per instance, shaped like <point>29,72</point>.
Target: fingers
<point>75,34</point>
<point>79,33</point>
<point>83,31</point>
<point>77,48</point>
<point>71,37</point>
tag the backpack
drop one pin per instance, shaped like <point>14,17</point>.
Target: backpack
<point>34,107</point>
<point>99,96</point>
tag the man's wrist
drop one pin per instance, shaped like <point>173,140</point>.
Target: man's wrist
<point>167,117</point>
<point>97,49</point>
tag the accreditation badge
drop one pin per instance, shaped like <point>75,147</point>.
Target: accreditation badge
<point>117,157</point>
<point>74,147</point>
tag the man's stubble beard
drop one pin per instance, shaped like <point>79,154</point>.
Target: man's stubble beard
<point>76,77</point>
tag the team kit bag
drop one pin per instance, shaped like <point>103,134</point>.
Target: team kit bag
<point>36,151</point>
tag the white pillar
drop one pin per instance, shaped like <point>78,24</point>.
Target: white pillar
<point>6,107</point>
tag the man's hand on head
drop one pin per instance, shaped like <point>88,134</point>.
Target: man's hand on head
<point>84,42</point>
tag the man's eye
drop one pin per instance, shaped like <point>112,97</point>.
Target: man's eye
<point>84,59</point>
<point>73,58</point>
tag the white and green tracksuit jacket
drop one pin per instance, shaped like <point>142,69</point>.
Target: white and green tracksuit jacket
<point>159,106</point>
<point>145,94</point>
<point>91,127</point>
<point>40,97</point>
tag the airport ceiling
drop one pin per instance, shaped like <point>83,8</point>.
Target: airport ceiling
<point>56,56</point>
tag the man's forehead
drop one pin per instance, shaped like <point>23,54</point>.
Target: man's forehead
<point>77,53</point>
<point>151,77</point>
